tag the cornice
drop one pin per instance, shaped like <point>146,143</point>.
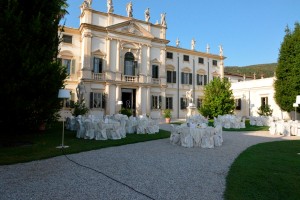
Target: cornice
<point>195,53</point>
<point>70,30</point>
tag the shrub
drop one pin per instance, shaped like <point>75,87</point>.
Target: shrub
<point>167,113</point>
<point>126,111</point>
<point>265,110</point>
<point>79,109</point>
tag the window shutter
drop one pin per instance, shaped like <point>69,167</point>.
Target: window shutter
<point>103,100</point>
<point>182,77</point>
<point>190,78</point>
<point>169,77</point>
<point>198,81</point>
<point>159,102</point>
<point>174,76</point>
<point>171,103</point>
<point>181,103</point>
<point>205,79</point>
<point>135,68</point>
<point>91,100</point>
<point>100,65</point>
<point>151,102</point>
<point>73,66</point>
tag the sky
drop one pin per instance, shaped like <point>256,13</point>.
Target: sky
<point>250,31</point>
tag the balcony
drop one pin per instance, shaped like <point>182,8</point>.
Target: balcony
<point>155,81</point>
<point>99,76</point>
<point>132,79</point>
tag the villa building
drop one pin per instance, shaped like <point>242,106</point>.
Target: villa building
<point>125,62</point>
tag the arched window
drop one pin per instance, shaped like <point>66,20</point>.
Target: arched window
<point>129,64</point>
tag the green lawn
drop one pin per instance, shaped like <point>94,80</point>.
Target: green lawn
<point>266,171</point>
<point>43,145</point>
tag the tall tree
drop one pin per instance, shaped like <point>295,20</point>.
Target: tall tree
<point>218,99</point>
<point>287,84</point>
<point>30,73</point>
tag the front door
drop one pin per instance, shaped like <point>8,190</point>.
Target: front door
<point>128,99</point>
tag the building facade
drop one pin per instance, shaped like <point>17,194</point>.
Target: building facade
<point>122,59</point>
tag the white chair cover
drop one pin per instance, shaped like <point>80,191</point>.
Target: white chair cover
<point>80,129</point>
<point>89,129</point>
<point>207,140</point>
<point>100,131</point>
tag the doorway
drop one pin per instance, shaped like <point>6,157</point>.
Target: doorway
<point>129,99</point>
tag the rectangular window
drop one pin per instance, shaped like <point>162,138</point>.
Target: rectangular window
<point>97,65</point>
<point>186,58</point>
<point>183,103</point>
<point>169,102</point>
<point>171,76</point>
<point>215,63</point>
<point>67,64</point>
<point>199,102</point>
<point>238,104</point>
<point>201,79</point>
<point>154,71</point>
<point>170,55</point>
<point>97,100</point>
<point>264,101</point>
<point>186,78</point>
<point>67,39</point>
<point>200,60</point>
<point>156,102</point>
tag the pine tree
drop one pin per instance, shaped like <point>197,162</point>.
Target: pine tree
<point>218,99</point>
<point>30,73</point>
<point>287,84</point>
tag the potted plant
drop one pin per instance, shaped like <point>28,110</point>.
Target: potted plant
<point>167,115</point>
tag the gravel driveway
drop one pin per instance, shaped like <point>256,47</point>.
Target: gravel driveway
<point>156,168</point>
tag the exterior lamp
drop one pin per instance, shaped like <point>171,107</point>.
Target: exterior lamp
<point>295,105</point>
<point>63,94</point>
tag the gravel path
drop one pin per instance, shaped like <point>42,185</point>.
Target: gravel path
<point>156,168</point>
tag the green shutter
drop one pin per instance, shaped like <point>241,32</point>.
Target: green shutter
<point>190,78</point>
<point>103,100</point>
<point>182,77</point>
<point>91,100</point>
<point>174,77</point>
<point>73,69</point>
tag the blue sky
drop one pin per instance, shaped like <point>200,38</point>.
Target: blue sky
<point>250,31</point>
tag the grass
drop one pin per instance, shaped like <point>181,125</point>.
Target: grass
<point>43,145</point>
<point>265,171</point>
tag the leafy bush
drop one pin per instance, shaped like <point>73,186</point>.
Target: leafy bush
<point>79,109</point>
<point>167,113</point>
<point>126,111</point>
<point>265,110</point>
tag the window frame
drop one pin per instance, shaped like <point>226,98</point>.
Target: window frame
<point>169,102</point>
<point>67,39</point>
<point>186,58</point>
<point>169,55</point>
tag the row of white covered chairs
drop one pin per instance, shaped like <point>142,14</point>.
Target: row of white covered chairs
<point>288,128</point>
<point>230,121</point>
<point>208,137</point>
<point>260,120</point>
<point>111,127</point>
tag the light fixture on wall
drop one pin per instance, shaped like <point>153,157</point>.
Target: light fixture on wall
<point>63,94</point>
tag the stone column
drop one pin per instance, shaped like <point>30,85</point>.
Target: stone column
<point>118,70</point>
<point>86,55</point>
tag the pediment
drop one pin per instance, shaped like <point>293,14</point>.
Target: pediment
<point>155,60</point>
<point>201,71</point>
<point>130,27</point>
<point>215,73</point>
<point>99,53</point>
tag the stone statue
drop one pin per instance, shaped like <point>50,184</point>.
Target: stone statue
<point>193,43</point>
<point>147,15</point>
<point>110,7</point>
<point>129,9</point>
<point>163,19</point>
<point>221,50</point>
<point>189,96</point>
<point>87,3</point>
<point>207,48</point>
<point>80,90</point>
<point>177,42</point>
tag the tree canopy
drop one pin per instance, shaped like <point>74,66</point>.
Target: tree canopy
<point>218,98</point>
<point>287,84</point>
<point>30,72</point>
